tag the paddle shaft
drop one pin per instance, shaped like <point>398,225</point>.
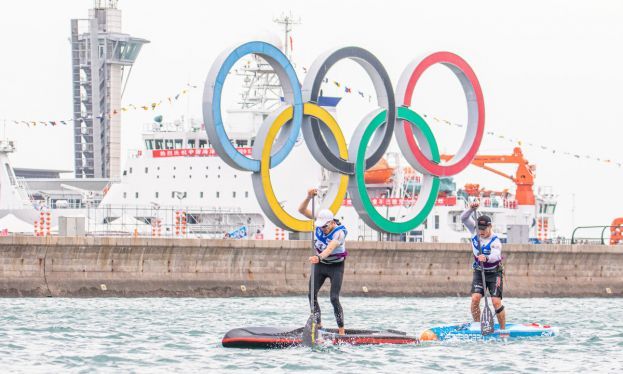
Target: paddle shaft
<point>482,268</point>
<point>313,246</point>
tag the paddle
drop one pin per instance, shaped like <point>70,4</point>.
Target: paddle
<point>486,317</point>
<point>310,332</point>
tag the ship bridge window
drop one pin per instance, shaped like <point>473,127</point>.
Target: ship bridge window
<point>241,143</point>
<point>436,222</point>
<point>158,144</point>
<point>191,143</point>
<point>149,143</point>
<point>179,143</point>
<point>168,144</point>
<point>202,143</point>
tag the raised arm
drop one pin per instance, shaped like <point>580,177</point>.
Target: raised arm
<point>467,217</point>
<point>303,209</point>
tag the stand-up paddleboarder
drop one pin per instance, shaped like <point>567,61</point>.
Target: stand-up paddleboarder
<point>487,249</point>
<point>330,236</point>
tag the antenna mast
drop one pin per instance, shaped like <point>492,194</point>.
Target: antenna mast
<point>287,20</point>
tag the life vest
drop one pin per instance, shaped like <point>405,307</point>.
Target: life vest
<point>486,250</point>
<point>322,241</point>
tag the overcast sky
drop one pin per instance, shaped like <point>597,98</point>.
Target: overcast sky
<point>550,73</point>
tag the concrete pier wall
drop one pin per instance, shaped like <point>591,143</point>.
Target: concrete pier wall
<point>100,267</point>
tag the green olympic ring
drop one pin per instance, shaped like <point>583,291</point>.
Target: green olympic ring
<point>357,185</point>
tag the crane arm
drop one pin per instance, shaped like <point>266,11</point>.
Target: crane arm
<point>496,172</point>
<point>523,178</point>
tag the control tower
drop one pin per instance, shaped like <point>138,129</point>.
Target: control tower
<point>101,58</point>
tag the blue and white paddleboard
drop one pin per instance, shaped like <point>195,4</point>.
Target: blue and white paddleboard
<point>472,330</point>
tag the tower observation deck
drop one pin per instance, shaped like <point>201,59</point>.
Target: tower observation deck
<point>101,58</point>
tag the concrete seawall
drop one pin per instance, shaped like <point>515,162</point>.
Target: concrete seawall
<point>100,267</point>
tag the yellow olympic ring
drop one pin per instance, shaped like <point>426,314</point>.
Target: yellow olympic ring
<point>325,117</point>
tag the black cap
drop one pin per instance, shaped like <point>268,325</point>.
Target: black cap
<point>484,222</point>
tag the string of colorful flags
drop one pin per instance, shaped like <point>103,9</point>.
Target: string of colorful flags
<point>531,144</point>
<point>130,107</point>
<point>347,89</point>
<point>155,104</point>
<point>362,94</point>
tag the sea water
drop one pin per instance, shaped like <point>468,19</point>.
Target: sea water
<point>184,335</point>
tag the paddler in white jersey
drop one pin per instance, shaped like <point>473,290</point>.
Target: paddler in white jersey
<point>330,236</point>
<point>491,259</point>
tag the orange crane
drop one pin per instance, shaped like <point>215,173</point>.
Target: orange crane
<point>523,178</point>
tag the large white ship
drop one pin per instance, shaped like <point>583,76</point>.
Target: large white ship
<point>179,170</point>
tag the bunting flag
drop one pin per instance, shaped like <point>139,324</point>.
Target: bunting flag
<point>544,148</point>
<point>35,123</point>
<point>347,89</point>
<point>153,105</point>
<point>363,95</point>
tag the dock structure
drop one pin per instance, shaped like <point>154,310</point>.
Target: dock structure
<point>155,267</point>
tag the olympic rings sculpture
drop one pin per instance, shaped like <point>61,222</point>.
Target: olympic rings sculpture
<point>325,140</point>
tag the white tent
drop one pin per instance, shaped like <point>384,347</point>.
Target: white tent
<point>15,225</point>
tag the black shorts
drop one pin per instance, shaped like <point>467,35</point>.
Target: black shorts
<point>494,281</point>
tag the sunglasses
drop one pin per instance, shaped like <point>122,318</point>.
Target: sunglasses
<point>326,226</point>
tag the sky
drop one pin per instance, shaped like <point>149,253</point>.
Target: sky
<point>549,70</point>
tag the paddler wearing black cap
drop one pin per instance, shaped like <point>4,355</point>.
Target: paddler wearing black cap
<point>490,256</point>
<point>330,236</point>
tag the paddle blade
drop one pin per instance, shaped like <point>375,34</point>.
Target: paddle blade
<point>310,332</point>
<point>486,320</point>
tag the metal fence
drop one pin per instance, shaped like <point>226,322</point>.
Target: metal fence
<point>598,235</point>
<point>174,222</point>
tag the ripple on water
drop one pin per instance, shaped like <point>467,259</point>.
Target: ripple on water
<point>184,334</point>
